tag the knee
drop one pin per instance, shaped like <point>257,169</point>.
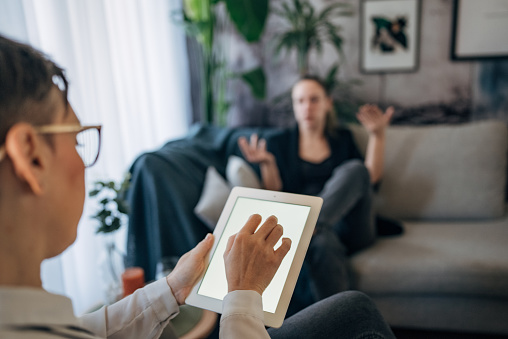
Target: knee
<point>358,298</point>
<point>324,242</point>
<point>356,171</point>
<point>326,239</point>
<point>357,302</point>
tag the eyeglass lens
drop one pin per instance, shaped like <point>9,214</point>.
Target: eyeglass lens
<point>88,145</point>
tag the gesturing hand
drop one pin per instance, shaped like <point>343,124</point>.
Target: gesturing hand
<point>250,258</point>
<point>373,119</point>
<point>254,151</point>
<point>189,269</point>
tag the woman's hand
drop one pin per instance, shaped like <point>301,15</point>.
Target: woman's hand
<point>255,151</point>
<point>373,119</point>
<point>250,258</point>
<point>189,269</point>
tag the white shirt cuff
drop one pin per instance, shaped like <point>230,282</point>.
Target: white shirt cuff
<point>162,299</point>
<point>244,303</point>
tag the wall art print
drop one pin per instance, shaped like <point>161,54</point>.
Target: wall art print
<point>389,31</point>
<point>479,29</point>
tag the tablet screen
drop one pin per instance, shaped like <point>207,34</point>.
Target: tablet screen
<point>292,217</point>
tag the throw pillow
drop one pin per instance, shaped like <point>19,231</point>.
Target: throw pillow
<point>213,198</point>
<point>216,189</point>
<point>240,173</point>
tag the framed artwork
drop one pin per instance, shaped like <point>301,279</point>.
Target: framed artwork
<point>480,29</point>
<point>389,35</point>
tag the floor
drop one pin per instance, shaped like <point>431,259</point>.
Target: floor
<point>416,334</point>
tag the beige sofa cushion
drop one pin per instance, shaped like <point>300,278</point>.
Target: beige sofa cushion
<point>462,258</point>
<point>447,172</point>
<point>216,189</point>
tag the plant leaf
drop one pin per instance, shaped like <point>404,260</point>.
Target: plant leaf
<point>93,193</point>
<point>197,10</point>
<point>330,78</point>
<point>249,17</point>
<point>257,82</point>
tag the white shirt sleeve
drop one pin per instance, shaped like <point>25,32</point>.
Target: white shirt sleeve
<point>143,314</point>
<point>242,316</point>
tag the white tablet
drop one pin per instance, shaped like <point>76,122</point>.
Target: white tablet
<point>296,213</point>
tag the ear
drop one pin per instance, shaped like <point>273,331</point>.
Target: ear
<point>26,151</point>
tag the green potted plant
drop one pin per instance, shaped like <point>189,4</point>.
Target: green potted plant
<point>111,215</point>
<point>113,206</point>
<point>201,19</point>
<point>305,30</point>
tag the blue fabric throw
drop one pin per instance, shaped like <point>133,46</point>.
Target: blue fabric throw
<point>166,186</point>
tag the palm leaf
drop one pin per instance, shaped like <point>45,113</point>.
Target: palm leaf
<point>337,41</point>
<point>287,42</point>
<point>331,76</point>
<point>319,46</point>
<point>328,11</point>
<point>298,6</point>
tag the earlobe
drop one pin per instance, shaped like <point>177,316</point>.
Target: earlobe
<point>24,149</point>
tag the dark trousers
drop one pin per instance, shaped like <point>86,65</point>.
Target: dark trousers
<point>345,225</point>
<point>348,314</point>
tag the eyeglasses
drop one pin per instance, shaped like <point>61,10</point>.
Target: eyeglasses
<point>88,140</point>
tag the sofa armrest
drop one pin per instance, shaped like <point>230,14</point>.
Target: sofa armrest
<point>165,188</point>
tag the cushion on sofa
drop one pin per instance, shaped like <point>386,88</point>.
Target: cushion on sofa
<point>213,198</point>
<point>240,173</point>
<point>216,189</point>
<point>463,258</point>
<point>453,172</point>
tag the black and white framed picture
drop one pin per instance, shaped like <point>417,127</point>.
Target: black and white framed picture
<point>389,31</point>
<point>480,29</point>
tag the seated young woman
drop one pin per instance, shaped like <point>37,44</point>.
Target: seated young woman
<point>318,157</point>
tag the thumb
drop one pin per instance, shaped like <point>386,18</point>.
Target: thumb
<point>204,246</point>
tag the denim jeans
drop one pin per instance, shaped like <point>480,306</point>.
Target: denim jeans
<point>345,225</point>
<point>350,315</point>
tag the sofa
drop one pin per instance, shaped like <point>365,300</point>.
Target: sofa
<point>448,271</point>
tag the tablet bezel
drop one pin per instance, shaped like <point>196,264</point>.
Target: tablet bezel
<point>315,203</point>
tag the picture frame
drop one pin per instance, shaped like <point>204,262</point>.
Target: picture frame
<point>389,36</point>
<point>479,30</point>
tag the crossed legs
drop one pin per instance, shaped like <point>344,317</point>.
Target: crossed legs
<point>345,225</point>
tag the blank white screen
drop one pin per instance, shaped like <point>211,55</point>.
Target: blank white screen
<point>292,217</point>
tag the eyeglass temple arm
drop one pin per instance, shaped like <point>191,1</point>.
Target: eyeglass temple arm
<point>2,152</point>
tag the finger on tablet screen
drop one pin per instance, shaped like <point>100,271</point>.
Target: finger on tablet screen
<point>267,227</point>
<point>252,224</point>
<point>283,249</point>
<point>274,235</point>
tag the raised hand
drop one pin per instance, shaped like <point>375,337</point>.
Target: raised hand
<point>255,151</point>
<point>250,259</point>
<point>189,269</point>
<point>373,119</point>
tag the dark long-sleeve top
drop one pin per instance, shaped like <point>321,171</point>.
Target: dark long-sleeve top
<point>300,176</point>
